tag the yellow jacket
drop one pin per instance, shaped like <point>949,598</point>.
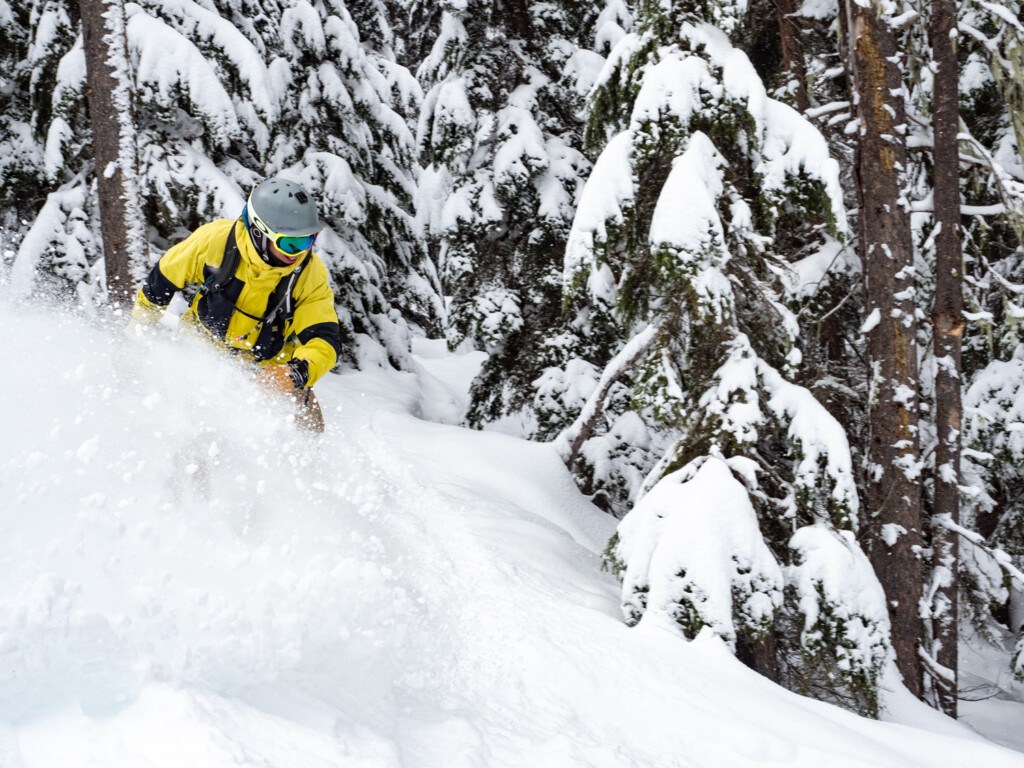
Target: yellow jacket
<point>233,315</point>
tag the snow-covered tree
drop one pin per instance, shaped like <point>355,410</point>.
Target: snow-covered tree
<point>50,214</point>
<point>989,192</point>
<point>992,47</point>
<point>990,217</point>
<point>21,155</point>
<point>416,25</point>
<point>500,140</point>
<point>355,148</point>
<point>677,232</point>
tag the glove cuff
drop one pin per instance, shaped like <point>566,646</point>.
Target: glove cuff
<point>298,370</point>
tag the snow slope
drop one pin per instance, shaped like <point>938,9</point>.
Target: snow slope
<point>185,580</point>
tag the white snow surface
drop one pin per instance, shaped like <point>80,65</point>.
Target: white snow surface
<point>402,592</point>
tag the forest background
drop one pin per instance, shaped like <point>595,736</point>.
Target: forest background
<point>754,268</point>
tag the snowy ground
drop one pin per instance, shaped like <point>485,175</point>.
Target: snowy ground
<point>187,581</point>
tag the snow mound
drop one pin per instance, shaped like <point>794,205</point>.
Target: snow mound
<point>186,579</point>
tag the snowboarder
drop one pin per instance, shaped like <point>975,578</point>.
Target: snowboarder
<point>255,285</point>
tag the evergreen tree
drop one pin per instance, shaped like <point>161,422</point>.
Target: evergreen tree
<point>984,209</point>
<point>49,206</point>
<point>675,236</point>
<point>355,147</point>
<point>987,169</point>
<point>417,24</point>
<point>500,141</point>
<point>991,56</point>
<point>21,155</point>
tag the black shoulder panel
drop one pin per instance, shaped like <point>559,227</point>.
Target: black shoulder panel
<point>157,288</point>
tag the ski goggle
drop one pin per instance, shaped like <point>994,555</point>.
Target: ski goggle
<point>291,245</point>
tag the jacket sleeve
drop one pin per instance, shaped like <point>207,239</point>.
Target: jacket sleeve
<point>316,322</point>
<point>180,265</point>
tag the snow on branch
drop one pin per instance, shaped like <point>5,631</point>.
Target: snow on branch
<point>686,223</point>
<point>196,23</point>
<point>1001,558</point>
<point>823,447</point>
<point>56,232</point>
<point>691,551</point>
<point>606,197</point>
<point>169,65</point>
<point>823,481</point>
<point>571,439</point>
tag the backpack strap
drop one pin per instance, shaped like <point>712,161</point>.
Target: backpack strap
<point>280,310</point>
<point>283,298</point>
<point>227,268</point>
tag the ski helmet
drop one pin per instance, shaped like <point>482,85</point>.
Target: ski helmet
<point>282,221</point>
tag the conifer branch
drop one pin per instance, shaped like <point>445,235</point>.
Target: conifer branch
<point>570,440</point>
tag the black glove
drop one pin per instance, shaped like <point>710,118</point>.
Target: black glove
<point>298,370</point>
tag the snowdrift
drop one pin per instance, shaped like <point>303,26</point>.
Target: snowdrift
<point>186,579</point>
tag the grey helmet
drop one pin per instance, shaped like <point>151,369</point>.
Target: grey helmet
<point>280,207</point>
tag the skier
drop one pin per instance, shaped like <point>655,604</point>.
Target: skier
<point>255,285</point>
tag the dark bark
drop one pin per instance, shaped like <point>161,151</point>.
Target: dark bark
<point>893,495</point>
<point>102,52</point>
<point>760,656</point>
<point>519,22</point>
<point>792,50</point>
<point>948,330</point>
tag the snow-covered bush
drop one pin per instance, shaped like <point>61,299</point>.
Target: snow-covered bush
<point>561,393</point>
<point>844,637</point>
<point>994,408</point>
<point>843,643</point>
<point>616,462</point>
<point>994,477</point>
<point>57,256</point>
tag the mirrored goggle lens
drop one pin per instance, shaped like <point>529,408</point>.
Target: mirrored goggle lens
<point>289,244</point>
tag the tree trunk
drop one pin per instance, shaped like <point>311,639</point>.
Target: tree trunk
<point>108,89</point>
<point>792,51</point>
<point>519,22</point>
<point>893,494</point>
<point>762,656</point>
<point>948,329</point>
